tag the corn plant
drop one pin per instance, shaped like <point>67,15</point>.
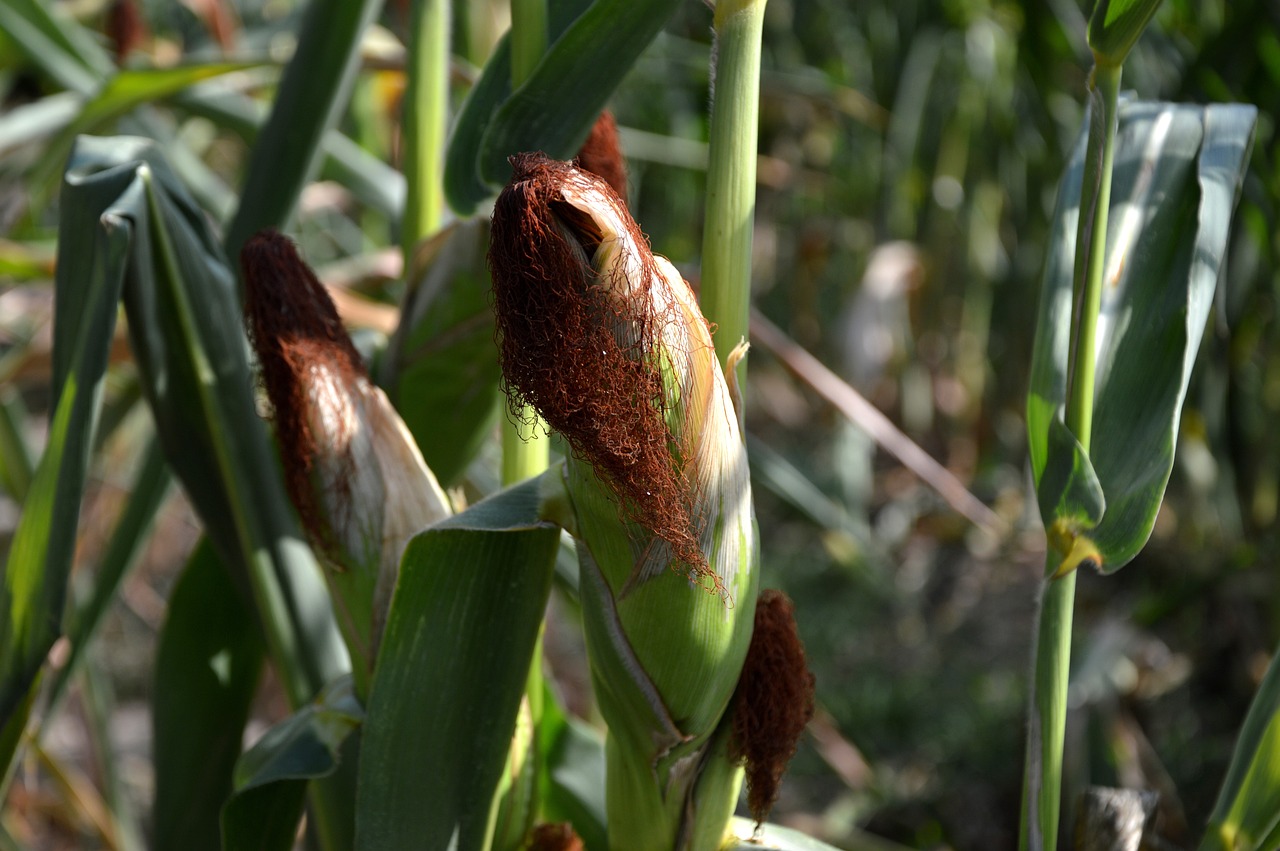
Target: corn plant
<point>1140,232</point>
<point>406,636</point>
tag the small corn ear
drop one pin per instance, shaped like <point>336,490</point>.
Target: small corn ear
<point>352,468</point>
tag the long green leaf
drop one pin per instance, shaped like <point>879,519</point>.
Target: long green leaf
<point>88,285</point>
<point>464,186</point>
<point>312,96</point>
<point>1248,805</point>
<point>191,351</point>
<point>1177,173</point>
<point>207,668</point>
<point>56,44</point>
<point>451,673</point>
<point>554,109</point>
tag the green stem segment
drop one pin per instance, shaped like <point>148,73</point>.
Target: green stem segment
<point>425,117</point>
<point>1042,790</point>
<point>731,173</point>
<point>525,448</point>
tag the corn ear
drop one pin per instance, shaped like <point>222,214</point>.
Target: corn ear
<point>353,470</point>
<point>606,340</point>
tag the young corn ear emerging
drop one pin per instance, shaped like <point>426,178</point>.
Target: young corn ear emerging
<point>607,342</point>
<point>352,469</point>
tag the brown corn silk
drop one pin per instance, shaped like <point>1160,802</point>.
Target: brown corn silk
<point>586,350</point>
<point>601,154</point>
<point>774,701</point>
<point>559,836</point>
<point>296,332</point>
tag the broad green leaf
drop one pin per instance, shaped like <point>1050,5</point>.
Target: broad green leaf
<point>464,187</point>
<point>554,110</point>
<point>207,669</point>
<point>451,672</point>
<point>89,279</point>
<point>1177,173</point>
<point>311,98</point>
<point>1247,813</point>
<point>1115,26</point>
<point>441,366</point>
<point>271,777</point>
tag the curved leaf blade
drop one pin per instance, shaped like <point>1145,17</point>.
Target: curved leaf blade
<point>554,110</point>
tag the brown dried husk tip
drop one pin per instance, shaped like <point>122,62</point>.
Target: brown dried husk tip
<point>773,703</point>
<point>555,837</point>
<point>601,154</point>
<point>584,351</point>
<point>296,331</point>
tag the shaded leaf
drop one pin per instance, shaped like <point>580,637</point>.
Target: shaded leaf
<point>554,109</point>
<point>1247,812</point>
<point>207,669</point>
<point>573,778</point>
<point>89,279</point>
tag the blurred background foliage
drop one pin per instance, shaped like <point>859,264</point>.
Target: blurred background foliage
<point>909,156</point>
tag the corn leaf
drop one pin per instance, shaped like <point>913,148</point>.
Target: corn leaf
<point>57,45</point>
<point>464,186</point>
<point>312,97</point>
<point>1247,811</point>
<point>554,110</point>
<point>450,674</point>
<point>88,285</point>
<point>440,368</point>
<point>271,777</point>
<point>1177,173</point>
<point>207,669</point>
